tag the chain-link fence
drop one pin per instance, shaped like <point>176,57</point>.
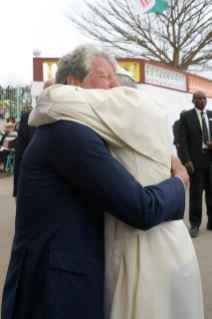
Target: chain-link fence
<point>14,101</point>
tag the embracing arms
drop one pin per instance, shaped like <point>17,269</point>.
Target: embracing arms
<point>82,159</point>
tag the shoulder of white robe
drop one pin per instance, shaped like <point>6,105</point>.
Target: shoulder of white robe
<point>39,115</point>
<point>136,118</point>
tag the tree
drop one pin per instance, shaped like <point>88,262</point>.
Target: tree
<point>180,36</point>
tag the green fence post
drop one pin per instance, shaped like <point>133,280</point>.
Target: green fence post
<point>18,103</point>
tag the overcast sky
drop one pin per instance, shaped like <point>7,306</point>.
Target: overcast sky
<point>29,24</point>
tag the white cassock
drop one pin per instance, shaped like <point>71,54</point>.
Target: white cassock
<point>150,274</point>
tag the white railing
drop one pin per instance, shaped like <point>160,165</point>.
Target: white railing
<point>49,69</point>
<point>164,77</point>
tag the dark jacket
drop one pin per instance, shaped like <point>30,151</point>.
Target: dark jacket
<point>68,179</point>
<point>190,136</point>
<point>25,134</point>
<point>12,144</point>
<point>175,132</point>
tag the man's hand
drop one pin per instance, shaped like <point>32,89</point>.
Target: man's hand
<point>209,145</point>
<point>190,167</point>
<point>179,170</point>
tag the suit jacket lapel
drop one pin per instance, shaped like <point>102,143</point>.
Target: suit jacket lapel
<point>196,119</point>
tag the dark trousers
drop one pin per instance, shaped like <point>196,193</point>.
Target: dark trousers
<point>200,180</point>
<point>178,152</point>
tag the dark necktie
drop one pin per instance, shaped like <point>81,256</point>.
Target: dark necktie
<point>205,136</point>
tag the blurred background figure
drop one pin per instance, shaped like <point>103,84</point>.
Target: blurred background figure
<point>176,136</point>
<point>7,140</point>
<point>48,83</point>
<point>11,120</point>
<point>12,144</point>
<point>25,135</point>
<point>17,126</point>
<point>125,78</point>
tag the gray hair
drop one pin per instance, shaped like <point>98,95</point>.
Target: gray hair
<point>125,80</point>
<point>78,62</point>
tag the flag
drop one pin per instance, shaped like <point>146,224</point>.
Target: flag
<point>148,6</point>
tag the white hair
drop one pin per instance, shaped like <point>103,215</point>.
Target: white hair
<point>125,80</point>
<point>78,62</point>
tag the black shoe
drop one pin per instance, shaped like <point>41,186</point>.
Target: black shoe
<point>194,231</point>
<point>209,226</point>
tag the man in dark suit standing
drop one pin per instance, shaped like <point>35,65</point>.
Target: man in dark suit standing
<point>68,179</point>
<point>195,135</point>
<point>176,136</point>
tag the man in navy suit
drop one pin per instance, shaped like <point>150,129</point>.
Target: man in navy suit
<point>68,179</point>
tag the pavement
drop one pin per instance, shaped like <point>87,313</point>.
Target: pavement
<point>202,244</point>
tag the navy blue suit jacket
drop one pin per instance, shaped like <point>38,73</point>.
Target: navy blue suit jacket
<point>68,179</point>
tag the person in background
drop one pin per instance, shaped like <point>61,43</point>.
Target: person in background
<point>7,138</point>
<point>25,135</point>
<point>11,120</point>
<point>17,124</point>
<point>176,136</point>
<point>7,92</point>
<point>195,136</point>
<point>13,143</point>
<point>124,78</point>
<point>48,83</point>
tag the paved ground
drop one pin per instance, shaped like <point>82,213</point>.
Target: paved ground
<point>203,244</point>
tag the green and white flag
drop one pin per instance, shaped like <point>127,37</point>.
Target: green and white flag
<point>148,6</point>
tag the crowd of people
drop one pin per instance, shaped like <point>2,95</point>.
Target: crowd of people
<point>10,92</point>
<point>100,202</point>
<point>13,97</point>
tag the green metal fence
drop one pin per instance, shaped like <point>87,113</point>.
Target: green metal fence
<point>14,101</point>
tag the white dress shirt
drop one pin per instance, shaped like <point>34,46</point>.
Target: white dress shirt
<point>207,124</point>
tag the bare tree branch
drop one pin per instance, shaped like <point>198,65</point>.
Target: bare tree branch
<point>180,36</point>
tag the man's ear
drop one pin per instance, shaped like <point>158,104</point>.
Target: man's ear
<point>73,80</point>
